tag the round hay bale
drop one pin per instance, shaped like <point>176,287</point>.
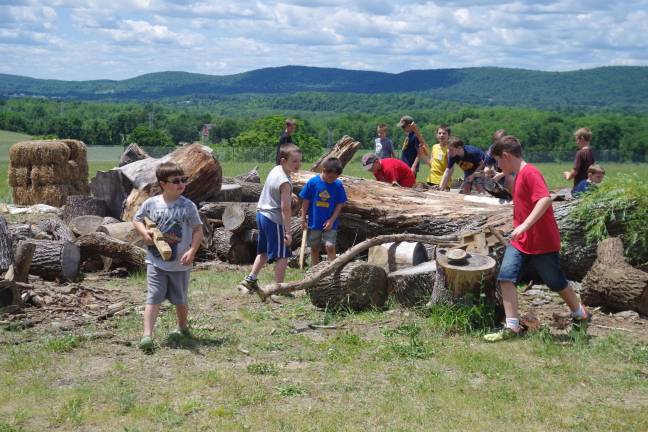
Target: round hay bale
<point>19,176</point>
<point>39,152</point>
<point>357,285</point>
<point>43,175</point>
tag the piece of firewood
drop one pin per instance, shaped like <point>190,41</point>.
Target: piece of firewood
<point>158,238</point>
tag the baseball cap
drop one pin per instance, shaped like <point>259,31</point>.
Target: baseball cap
<point>368,160</point>
<point>405,120</point>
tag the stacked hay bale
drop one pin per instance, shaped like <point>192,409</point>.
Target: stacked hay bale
<point>47,171</point>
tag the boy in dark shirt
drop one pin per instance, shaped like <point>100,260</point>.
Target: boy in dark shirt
<point>584,157</point>
<point>285,138</point>
<point>470,159</point>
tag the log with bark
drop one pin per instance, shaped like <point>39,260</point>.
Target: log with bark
<point>358,286</point>
<point>85,224</point>
<point>612,283</point>
<point>464,280</point>
<point>113,188</point>
<point>251,176</point>
<point>99,244</point>
<point>344,150</point>
<point>124,231</point>
<point>342,260</point>
<point>81,205</point>
<point>214,210</point>
<point>250,192</point>
<point>412,286</point>
<point>396,256</point>
<point>229,247</point>
<point>238,219</point>
<point>6,245</point>
<point>231,192</point>
<point>55,259</point>
<point>57,228</point>
<point>132,153</point>
<point>19,269</point>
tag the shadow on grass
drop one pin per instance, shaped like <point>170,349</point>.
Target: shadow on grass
<point>193,343</point>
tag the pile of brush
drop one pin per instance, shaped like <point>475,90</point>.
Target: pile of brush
<point>47,171</point>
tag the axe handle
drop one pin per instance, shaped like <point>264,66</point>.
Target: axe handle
<point>302,249</point>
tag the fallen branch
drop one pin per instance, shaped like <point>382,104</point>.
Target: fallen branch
<point>346,257</point>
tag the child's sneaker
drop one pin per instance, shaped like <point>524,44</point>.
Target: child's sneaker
<point>178,332</point>
<point>503,334</point>
<point>146,344</point>
<point>249,286</point>
<point>579,323</point>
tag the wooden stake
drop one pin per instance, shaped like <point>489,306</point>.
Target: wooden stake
<point>302,249</point>
<point>158,238</point>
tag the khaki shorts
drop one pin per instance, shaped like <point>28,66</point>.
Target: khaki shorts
<point>316,237</point>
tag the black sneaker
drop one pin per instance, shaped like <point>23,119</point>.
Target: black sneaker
<point>251,286</point>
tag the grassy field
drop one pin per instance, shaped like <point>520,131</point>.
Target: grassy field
<point>255,366</point>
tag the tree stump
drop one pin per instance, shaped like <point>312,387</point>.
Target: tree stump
<point>55,259</point>
<point>57,228</point>
<point>98,244</point>
<point>229,192</point>
<point>111,187</point>
<point>612,283</point>
<point>412,286</point>
<point>81,225</point>
<point>6,245</point>
<point>238,219</point>
<point>81,205</point>
<point>357,285</point>
<point>396,256</point>
<point>464,280</point>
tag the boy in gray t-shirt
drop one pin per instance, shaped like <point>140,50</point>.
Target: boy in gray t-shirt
<point>177,219</point>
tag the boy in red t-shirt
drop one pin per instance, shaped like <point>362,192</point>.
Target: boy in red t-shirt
<point>389,170</point>
<point>535,239</point>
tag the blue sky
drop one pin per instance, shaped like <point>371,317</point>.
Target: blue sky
<point>117,39</point>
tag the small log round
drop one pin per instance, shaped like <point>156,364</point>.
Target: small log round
<point>396,256</point>
<point>124,231</point>
<point>81,205</point>
<point>462,280</point>
<point>55,259</point>
<point>81,225</point>
<point>412,286</point>
<point>357,285</point>
<point>231,192</point>
<point>238,219</point>
<point>57,228</point>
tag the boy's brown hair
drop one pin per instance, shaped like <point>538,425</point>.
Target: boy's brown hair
<point>380,127</point>
<point>595,169</point>
<point>287,149</point>
<point>332,165</point>
<point>166,170</point>
<point>508,144</point>
<point>444,127</point>
<point>584,133</point>
<point>498,134</point>
<point>455,142</point>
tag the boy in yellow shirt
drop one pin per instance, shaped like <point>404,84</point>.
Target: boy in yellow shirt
<point>439,160</point>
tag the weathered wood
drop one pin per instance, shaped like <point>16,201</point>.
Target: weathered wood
<point>238,219</point>
<point>109,220</point>
<point>22,262</point>
<point>113,188</point>
<point>57,228</point>
<point>81,205</point>
<point>395,256</point>
<point>612,283</point>
<point>214,210</point>
<point>55,259</point>
<point>158,239</point>
<point>412,286</point>
<point>462,280</point>
<point>250,192</point>
<point>19,232</point>
<point>357,285</point>
<point>99,244</point>
<point>6,245</point>
<point>340,261</point>
<point>229,247</point>
<point>132,153</point>
<point>344,150</point>
<point>231,192</point>
<point>251,176</point>
<point>124,231</point>
<point>85,224</point>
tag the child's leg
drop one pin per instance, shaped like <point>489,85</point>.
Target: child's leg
<point>548,266</point>
<point>316,249</point>
<point>182,312</point>
<point>509,298</point>
<point>510,270</point>
<point>151,312</point>
<point>259,262</point>
<point>280,269</point>
<point>330,251</point>
<point>330,237</point>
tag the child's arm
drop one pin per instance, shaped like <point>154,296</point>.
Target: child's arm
<point>328,225</point>
<point>141,229</point>
<point>447,175</point>
<point>539,209</point>
<point>286,211</point>
<point>304,213</point>
<point>196,238</point>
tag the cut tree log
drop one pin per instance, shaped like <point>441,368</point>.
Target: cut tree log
<point>57,228</point>
<point>132,153</point>
<point>19,270</point>
<point>344,150</point>
<point>250,192</point>
<point>158,239</point>
<point>99,244</point>
<point>231,192</point>
<point>214,210</point>
<point>6,245</point>
<point>464,280</point>
<point>251,176</point>
<point>342,260</point>
<point>357,285</point>
<point>109,220</point>
<point>238,219</point>
<point>9,294</point>
<point>612,283</point>
<point>85,224</point>
<point>124,231</point>
<point>396,256</point>
<point>412,286</point>
<point>81,205</point>
<point>229,247</point>
<point>55,259</point>
<point>113,188</point>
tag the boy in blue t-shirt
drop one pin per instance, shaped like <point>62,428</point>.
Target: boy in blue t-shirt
<point>595,175</point>
<point>323,197</point>
<point>470,159</point>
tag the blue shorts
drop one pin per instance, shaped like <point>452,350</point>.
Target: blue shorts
<point>271,239</point>
<point>546,265</point>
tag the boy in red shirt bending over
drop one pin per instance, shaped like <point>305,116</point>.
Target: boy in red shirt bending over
<point>535,239</point>
<point>389,170</point>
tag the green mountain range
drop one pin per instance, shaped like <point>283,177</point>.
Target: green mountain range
<point>618,88</point>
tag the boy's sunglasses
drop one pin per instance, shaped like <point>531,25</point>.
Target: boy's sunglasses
<point>178,180</point>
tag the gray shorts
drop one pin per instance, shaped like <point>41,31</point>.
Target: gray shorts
<point>316,237</point>
<point>162,284</point>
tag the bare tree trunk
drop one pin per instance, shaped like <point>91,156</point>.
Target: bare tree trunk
<point>344,150</point>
